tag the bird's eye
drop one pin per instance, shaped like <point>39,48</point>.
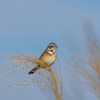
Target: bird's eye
<point>51,46</point>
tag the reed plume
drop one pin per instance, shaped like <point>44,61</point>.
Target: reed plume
<point>54,83</point>
<point>87,63</point>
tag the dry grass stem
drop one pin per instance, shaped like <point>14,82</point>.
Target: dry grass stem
<point>25,60</point>
<point>88,64</point>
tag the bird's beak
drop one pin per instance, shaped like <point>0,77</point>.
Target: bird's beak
<point>56,47</point>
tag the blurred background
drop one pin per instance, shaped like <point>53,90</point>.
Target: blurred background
<point>29,26</point>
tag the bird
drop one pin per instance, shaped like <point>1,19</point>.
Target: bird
<point>48,57</point>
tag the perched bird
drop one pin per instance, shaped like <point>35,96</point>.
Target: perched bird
<point>48,57</point>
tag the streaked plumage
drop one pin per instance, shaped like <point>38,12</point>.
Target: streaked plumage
<point>48,57</point>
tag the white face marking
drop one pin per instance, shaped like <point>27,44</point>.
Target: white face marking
<point>52,58</point>
<point>52,51</point>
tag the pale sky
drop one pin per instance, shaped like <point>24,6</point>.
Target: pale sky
<point>30,25</point>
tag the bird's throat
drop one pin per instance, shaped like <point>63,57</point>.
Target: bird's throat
<point>52,51</point>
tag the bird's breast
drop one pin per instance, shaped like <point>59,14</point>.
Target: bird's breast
<point>48,59</point>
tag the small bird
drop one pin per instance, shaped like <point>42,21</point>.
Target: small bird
<point>48,57</point>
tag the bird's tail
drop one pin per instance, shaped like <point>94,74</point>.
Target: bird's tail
<point>34,70</point>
